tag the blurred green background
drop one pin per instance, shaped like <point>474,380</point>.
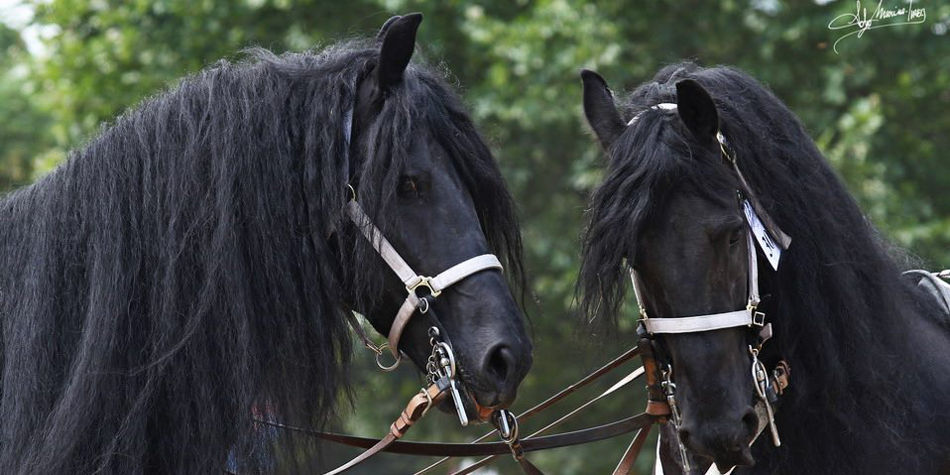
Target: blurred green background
<point>878,109</point>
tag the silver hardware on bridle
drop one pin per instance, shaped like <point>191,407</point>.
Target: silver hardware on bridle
<point>669,390</point>
<point>440,368</point>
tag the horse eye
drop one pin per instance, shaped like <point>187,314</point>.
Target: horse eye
<point>407,186</point>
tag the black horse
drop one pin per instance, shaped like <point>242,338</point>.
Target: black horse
<point>194,262</point>
<point>869,353</point>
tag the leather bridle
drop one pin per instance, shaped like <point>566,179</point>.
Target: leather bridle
<point>441,366</point>
<point>410,278</point>
<point>766,388</point>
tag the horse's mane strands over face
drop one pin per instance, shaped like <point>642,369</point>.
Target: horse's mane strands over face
<point>840,310</point>
<point>178,272</point>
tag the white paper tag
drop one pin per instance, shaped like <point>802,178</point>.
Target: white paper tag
<point>771,250</point>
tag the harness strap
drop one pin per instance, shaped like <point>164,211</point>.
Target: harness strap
<point>381,244</point>
<point>531,444</point>
<point>630,455</point>
<point>417,407</point>
<point>406,311</point>
<point>609,366</point>
<point>783,240</point>
<point>462,270</point>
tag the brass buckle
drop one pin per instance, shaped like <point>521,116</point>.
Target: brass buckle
<point>423,282</point>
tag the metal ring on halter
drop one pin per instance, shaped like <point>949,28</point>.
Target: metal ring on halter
<point>423,305</point>
<point>394,365</point>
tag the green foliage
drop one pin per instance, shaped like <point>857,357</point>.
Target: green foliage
<point>23,134</point>
<point>877,110</point>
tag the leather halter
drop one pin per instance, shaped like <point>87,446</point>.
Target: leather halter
<point>766,388</point>
<point>443,369</point>
<point>410,278</point>
<point>715,321</point>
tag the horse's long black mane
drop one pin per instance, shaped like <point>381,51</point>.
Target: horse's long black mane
<point>843,317</point>
<point>190,263</point>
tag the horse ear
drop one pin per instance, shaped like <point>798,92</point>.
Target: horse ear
<point>383,29</point>
<point>398,44</point>
<point>600,110</point>
<point>697,109</point>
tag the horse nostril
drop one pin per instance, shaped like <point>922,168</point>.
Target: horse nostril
<point>500,363</point>
<point>751,421</point>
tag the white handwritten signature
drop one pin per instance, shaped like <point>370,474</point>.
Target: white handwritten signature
<point>860,21</point>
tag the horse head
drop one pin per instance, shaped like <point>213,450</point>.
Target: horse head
<point>430,183</point>
<point>676,209</point>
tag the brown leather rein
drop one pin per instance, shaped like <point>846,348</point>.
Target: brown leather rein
<point>418,406</point>
<point>657,411</point>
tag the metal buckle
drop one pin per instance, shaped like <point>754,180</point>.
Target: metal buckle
<point>507,425</point>
<point>423,282</point>
<point>669,388</point>
<point>758,319</point>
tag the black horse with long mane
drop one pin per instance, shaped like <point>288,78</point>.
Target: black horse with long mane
<point>194,262</point>
<point>869,352</point>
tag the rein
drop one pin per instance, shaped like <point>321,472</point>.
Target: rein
<point>507,425</point>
